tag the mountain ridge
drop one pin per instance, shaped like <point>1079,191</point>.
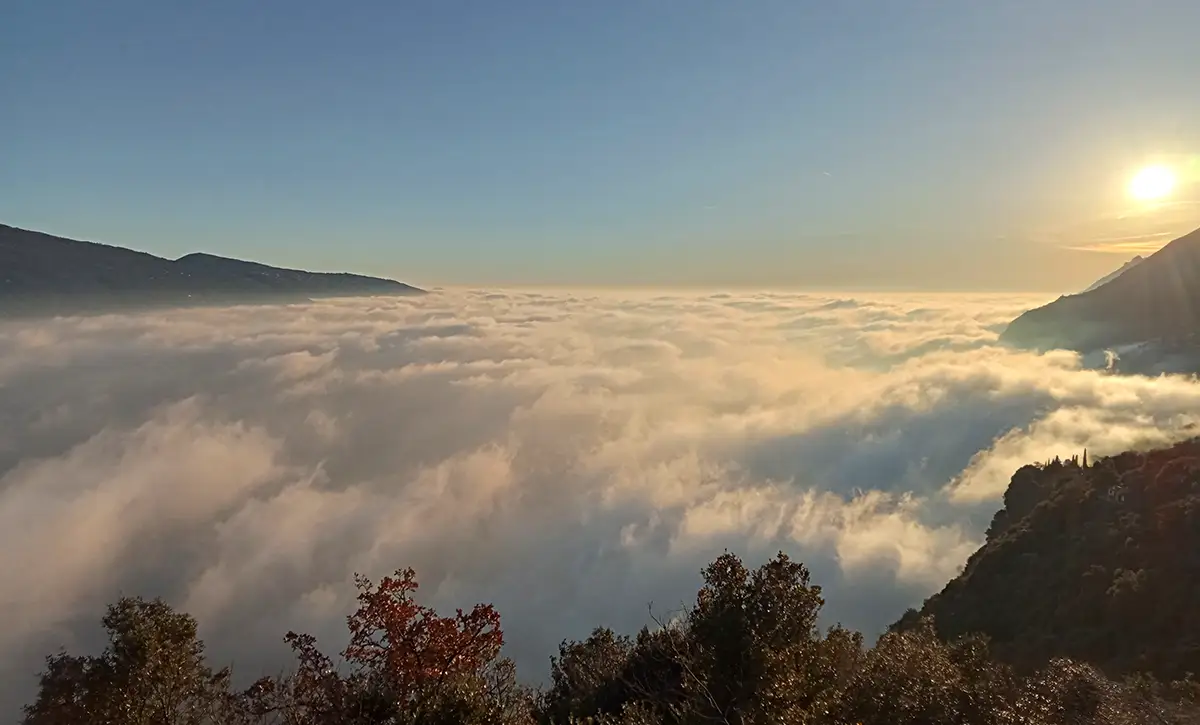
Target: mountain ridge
<point>1115,273</point>
<point>41,273</point>
<point>1158,298</point>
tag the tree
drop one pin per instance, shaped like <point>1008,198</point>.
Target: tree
<point>747,653</point>
<point>588,678</point>
<point>152,672</point>
<point>404,664</point>
<point>912,678</point>
<point>757,648</point>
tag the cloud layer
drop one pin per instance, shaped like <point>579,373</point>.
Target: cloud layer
<point>568,457</point>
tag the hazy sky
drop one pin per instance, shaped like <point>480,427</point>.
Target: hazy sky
<point>901,143</point>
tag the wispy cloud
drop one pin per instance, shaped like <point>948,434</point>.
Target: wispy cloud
<point>1135,230</point>
<point>1138,244</point>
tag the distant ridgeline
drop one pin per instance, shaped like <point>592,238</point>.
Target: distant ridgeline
<point>45,274</point>
<point>1094,561</point>
<point>1156,298</point>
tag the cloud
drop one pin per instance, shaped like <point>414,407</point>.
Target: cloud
<point>570,457</point>
<point>1143,229</point>
<point>1138,245</point>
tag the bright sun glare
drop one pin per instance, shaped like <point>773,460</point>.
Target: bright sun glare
<point>1152,182</point>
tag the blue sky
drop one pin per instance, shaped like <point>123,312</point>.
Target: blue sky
<point>888,144</point>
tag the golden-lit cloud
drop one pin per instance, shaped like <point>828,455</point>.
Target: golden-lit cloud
<point>567,456</point>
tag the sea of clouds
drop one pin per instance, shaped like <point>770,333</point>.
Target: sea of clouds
<point>569,457</point>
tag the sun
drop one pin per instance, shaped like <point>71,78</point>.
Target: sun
<point>1152,182</point>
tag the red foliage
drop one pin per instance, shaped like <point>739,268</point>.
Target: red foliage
<point>401,657</point>
<point>409,646</point>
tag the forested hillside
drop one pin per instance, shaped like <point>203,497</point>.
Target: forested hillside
<point>1093,560</point>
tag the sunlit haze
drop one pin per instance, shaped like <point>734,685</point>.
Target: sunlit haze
<point>883,145</point>
<point>1152,182</point>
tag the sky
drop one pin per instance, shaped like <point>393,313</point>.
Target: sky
<point>775,144</point>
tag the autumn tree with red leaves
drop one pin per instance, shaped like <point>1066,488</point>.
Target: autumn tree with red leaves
<point>409,646</point>
<point>404,664</point>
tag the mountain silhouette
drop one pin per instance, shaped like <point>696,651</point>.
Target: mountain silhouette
<point>1156,299</point>
<point>1116,273</point>
<point>44,274</point>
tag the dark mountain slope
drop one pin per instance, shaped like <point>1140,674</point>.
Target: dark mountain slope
<point>1116,273</point>
<point>236,273</point>
<point>42,273</point>
<point>36,263</point>
<point>1099,563</point>
<point>1158,298</point>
